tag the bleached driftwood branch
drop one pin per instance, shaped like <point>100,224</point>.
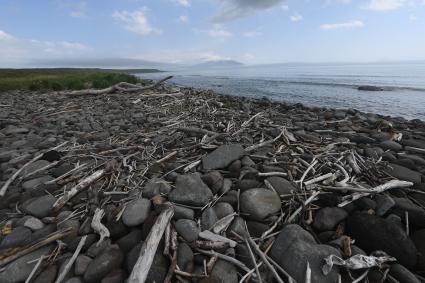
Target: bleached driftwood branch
<point>98,227</point>
<point>122,86</point>
<point>78,188</point>
<point>72,260</point>
<point>147,253</point>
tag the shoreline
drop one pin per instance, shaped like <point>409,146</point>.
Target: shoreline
<point>285,177</point>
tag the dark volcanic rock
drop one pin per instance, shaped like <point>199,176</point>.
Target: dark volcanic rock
<point>402,274</point>
<point>39,207</point>
<point>373,233</point>
<point>222,156</point>
<point>419,239</point>
<point>155,187</point>
<point>281,185</point>
<point>327,218</point>
<point>370,88</point>
<point>17,271</point>
<point>20,236</point>
<point>223,271</point>
<point>188,229</point>
<point>294,247</point>
<point>404,173</point>
<point>136,212</point>
<point>391,145</point>
<point>190,190</point>
<point>416,213</point>
<point>259,203</point>
<point>104,263</point>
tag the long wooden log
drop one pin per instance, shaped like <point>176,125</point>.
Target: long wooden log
<point>147,253</point>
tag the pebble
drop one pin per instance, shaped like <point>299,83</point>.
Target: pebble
<point>20,236</point>
<point>383,204</point>
<point>136,212</point>
<point>36,182</point>
<point>222,209</point>
<point>33,223</point>
<point>81,264</point>
<point>259,203</point>
<point>185,257</point>
<point>155,187</point>
<point>208,218</point>
<point>281,185</point>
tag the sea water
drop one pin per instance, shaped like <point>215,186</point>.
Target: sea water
<point>323,85</point>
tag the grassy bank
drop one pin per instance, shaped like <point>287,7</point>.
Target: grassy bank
<point>61,79</point>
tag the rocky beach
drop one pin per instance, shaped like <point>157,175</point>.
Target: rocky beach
<point>176,184</point>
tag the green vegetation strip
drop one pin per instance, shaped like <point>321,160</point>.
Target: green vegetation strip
<point>65,79</point>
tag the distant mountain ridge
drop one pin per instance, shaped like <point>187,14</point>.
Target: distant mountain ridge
<point>219,64</point>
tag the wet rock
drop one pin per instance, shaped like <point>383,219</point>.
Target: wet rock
<point>17,271</point>
<point>222,272</point>
<point>39,207</point>
<point>155,187</point>
<point>136,212</point>
<point>383,204</point>
<point>81,264</point>
<point>281,185</point>
<point>402,274</point>
<point>20,236</point>
<point>404,173</point>
<point>373,233</point>
<point>190,190</point>
<point>187,229</point>
<point>108,260</point>
<point>327,218</point>
<point>259,203</point>
<point>294,247</point>
<point>222,156</point>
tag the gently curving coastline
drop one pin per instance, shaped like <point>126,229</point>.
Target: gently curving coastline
<point>172,184</point>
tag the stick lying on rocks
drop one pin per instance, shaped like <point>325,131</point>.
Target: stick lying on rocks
<point>122,87</point>
<point>147,253</point>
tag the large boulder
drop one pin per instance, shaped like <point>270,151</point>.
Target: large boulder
<point>294,247</point>
<point>259,203</point>
<point>373,233</point>
<point>222,156</point>
<point>190,190</point>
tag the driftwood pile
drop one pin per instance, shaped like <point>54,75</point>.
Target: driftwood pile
<point>165,184</point>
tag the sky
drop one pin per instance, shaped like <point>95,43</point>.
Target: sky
<point>33,32</point>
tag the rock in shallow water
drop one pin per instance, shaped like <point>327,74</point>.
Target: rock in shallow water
<point>222,156</point>
<point>190,190</point>
<point>373,233</point>
<point>294,247</point>
<point>259,203</point>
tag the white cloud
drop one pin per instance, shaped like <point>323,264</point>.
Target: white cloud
<point>346,25</point>
<point>251,33</point>
<point>219,32</point>
<point>384,5</point>
<point>183,19</point>
<point>296,18</point>
<point>184,3</point>
<point>5,36</point>
<point>234,9</point>
<point>135,21</point>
